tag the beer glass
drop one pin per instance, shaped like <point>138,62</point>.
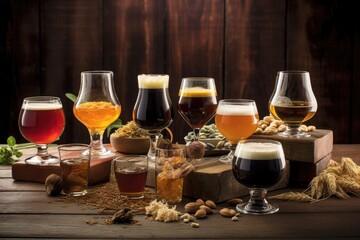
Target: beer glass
<point>97,106</point>
<point>258,165</point>
<point>41,121</point>
<point>293,101</point>
<point>237,120</point>
<point>153,109</point>
<point>197,102</point>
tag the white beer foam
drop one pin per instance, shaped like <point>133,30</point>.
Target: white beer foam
<point>236,110</point>
<point>41,106</point>
<point>259,151</point>
<point>153,81</point>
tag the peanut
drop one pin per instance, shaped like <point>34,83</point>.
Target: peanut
<point>192,207</point>
<point>201,213</point>
<point>210,204</point>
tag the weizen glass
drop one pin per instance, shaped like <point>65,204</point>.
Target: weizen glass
<point>197,102</point>
<point>293,101</point>
<point>258,165</point>
<point>131,172</point>
<point>153,109</point>
<point>237,120</point>
<point>75,168</point>
<point>42,121</point>
<point>97,106</point>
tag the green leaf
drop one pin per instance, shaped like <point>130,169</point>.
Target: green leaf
<point>11,141</point>
<point>71,96</point>
<point>116,124</point>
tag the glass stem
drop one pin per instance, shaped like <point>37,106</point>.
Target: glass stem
<point>96,140</point>
<point>257,197</point>
<point>196,131</point>
<point>42,151</point>
<point>154,137</point>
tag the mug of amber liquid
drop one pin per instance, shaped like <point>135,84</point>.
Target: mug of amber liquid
<point>75,168</point>
<point>169,179</point>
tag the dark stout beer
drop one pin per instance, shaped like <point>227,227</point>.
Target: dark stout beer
<point>197,106</point>
<point>259,165</point>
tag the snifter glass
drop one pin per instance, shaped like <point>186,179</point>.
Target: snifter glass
<point>258,165</point>
<point>42,121</point>
<point>97,106</point>
<point>293,101</point>
<point>236,119</point>
<point>153,109</point>
<point>197,102</point>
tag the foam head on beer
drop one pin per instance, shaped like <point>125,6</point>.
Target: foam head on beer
<point>197,92</point>
<point>41,106</point>
<point>153,81</point>
<point>234,110</point>
<point>259,151</point>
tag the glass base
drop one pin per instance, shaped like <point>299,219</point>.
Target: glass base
<point>227,159</point>
<point>97,152</point>
<point>42,161</point>
<point>257,209</point>
<point>293,133</point>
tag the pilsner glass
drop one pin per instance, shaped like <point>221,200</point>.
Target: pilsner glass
<point>153,109</point>
<point>197,102</point>
<point>258,165</point>
<point>97,106</point>
<point>293,101</point>
<point>42,121</point>
<point>237,120</point>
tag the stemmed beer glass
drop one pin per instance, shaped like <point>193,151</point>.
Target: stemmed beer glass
<point>293,101</point>
<point>153,109</point>
<point>42,121</point>
<point>197,102</point>
<point>97,106</point>
<point>237,120</point>
<point>258,165</point>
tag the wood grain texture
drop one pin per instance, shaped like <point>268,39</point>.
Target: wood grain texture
<point>319,40</point>
<point>194,47</point>
<point>44,45</point>
<point>134,43</point>
<point>254,49</point>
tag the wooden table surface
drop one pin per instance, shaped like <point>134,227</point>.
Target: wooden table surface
<point>27,212</point>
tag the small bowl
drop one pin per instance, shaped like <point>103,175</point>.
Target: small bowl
<point>130,145</point>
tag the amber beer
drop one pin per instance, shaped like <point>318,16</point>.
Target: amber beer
<point>41,122</point>
<point>153,109</point>
<point>197,105</point>
<point>97,116</point>
<point>236,122</point>
<point>259,165</point>
<point>75,173</point>
<point>296,113</point>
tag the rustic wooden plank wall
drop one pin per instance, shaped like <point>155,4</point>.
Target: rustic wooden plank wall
<point>44,45</point>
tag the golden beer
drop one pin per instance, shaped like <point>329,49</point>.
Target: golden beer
<point>236,127</point>
<point>97,116</point>
<point>296,113</point>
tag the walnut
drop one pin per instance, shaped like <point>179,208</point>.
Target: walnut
<point>53,185</point>
<point>195,150</point>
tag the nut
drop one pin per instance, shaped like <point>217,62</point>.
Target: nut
<point>53,185</point>
<point>192,207</point>
<point>210,204</point>
<point>195,225</point>
<point>200,201</point>
<point>201,213</point>
<point>226,212</point>
<point>311,128</point>
<point>207,209</point>
<point>235,218</point>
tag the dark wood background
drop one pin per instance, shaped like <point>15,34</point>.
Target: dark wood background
<point>45,44</point>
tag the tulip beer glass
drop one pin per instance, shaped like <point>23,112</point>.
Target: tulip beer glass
<point>153,109</point>
<point>197,102</point>
<point>97,106</point>
<point>293,101</point>
<point>42,121</point>
<point>237,120</point>
<point>258,165</point>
